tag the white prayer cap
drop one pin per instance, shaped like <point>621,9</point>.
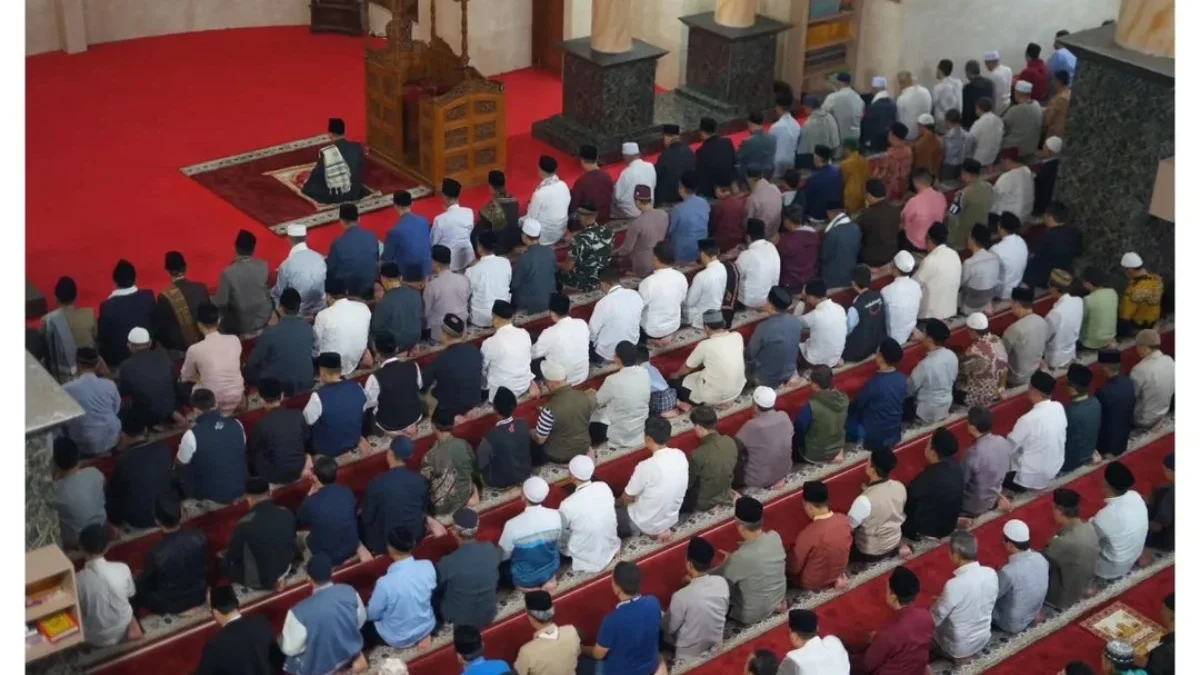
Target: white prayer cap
<point>992,55</point>
<point>879,82</point>
<point>139,336</point>
<point>977,321</point>
<point>297,231</point>
<point>531,227</point>
<point>925,119</point>
<point>630,149</point>
<point>1054,144</point>
<point>1024,87</point>
<point>582,467</point>
<point>904,261</point>
<point>553,372</point>
<point>1016,531</point>
<point>535,489</point>
<point>764,397</point>
<point>393,667</point>
<point>1131,261</point>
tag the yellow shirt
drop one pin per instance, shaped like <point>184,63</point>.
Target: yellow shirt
<point>1142,301</point>
<point>856,171</point>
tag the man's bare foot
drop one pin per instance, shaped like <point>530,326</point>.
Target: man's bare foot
<point>549,586</point>
<point>1041,616</point>
<point>684,406</point>
<point>281,584</point>
<point>839,458</point>
<point>674,412</point>
<point>436,529</point>
<point>964,523</point>
<point>842,583</point>
<point>665,536</point>
<point>779,485</point>
<point>459,419</point>
<point>782,608</point>
<point>734,495</point>
<point>134,632</point>
<point>658,343</point>
<point>360,664</point>
<point>474,499</point>
<point>364,554</point>
<point>1145,559</point>
<point>426,644</point>
<point>1004,504</point>
<point>1090,592</point>
<point>1096,458</point>
<point>905,552</point>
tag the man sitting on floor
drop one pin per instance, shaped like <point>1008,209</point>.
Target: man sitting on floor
<point>962,615</point>
<point>284,351</point>
<point>590,251</point>
<point>758,266</point>
<point>175,570</point>
<point>629,635</point>
<point>263,545</point>
<point>757,570</point>
<point>504,455</point>
<point>143,473</point>
<point>212,454</point>
<point>820,426</point>
<point>338,175</point>
<point>534,273</point>
<point>695,621</point>
<point>507,354</point>
<point>1022,582</point>
<point>877,514</point>
<point>935,495</point>
<point>455,378</point>
<point>715,371</point>
<point>710,465</point>
<point>448,292</point>
<point>1072,552</point>
<point>822,548</point>
<point>826,325</point>
<point>449,466</point>
<point>931,385</point>
<point>663,294</point>
<point>491,280</point>
<point>354,254</point>
<point>529,542</point>
<point>623,400</point>
<point>565,342</point>
<point>1121,525</point>
<point>215,362</point>
<point>77,493</point>
<point>616,317</point>
<point>812,653</point>
<point>400,310</point>
<point>563,429</point>
<point>1083,420</point>
<point>1039,438</point>
<point>242,292</point>
<point>105,589</point>
<point>764,444</point>
<point>246,645</point>
<point>876,414</point>
<point>985,464</point>
<point>335,411</point>
<point>775,344</point>
<point>327,518</point>
<point>394,390</point>
<point>902,645</point>
<point>397,498</point>
<point>554,649</point>
<point>303,270</point>
<point>99,430</point>
<point>343,327</point>
<point>652,498</point>
<point>589,519</point>
<point>468,577</point>
<point>1064,321</point>
<point>1162,509</point>
<point>1154,378</point>
<point>321,634</point>
<point>279,441</point>
<point>125,309</point>
<point>407,243</point>
<point>175,312</point>
<point>983,367</point>
<point>1141,305</point>
<point>400,611</point>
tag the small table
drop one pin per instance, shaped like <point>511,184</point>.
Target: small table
<point>348,17</point>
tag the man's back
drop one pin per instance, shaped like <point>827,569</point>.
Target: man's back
<point>710,469</point>
<point>715,159</point>
<point>262,547</point>
<point>774,347</point>
<point>768,441</point>
<point>79,499</point>
<point>1117,401</point>
<point>399,312</point>
<point>934,501</point>
<point>504,454</point>
<point>284,352</point>
<point>533,279</point>
<point>120,313</point>
<point>142,475</point>
<point>329,515</point>
<point>757,575</point>
<point>467,579</point>
<point>398,498</point>
<point>630,632</point>
<point>457,377</point>
<point>243,296</point>
<point>278,444</point>
<point>839,253</point>
<point>246,646</point>
<point>1072,553</point>
<point>174,575</point>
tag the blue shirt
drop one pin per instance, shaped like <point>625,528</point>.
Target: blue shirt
<point>331,517</point>
<point>879,407</point>
<point>402,604</point>
<point>408,244</point>
<point>824,189</point>
<point>480,666</point>
<point>1062,59</point>
<point>630,633</point>
<point>354,258</point>
<point>99,429</point>
<point>688,224</point>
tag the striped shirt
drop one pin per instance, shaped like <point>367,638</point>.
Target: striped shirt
<point>545,423</point>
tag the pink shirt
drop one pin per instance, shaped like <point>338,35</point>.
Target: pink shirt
<point>216,364</point>
<point>920,213</point>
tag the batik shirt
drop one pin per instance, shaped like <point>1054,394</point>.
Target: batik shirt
<point>980,369</point>
<point>894,169</point>
<point>592,251</point>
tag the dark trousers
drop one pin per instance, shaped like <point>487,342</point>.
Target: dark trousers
<point>1011,485</point>
<point>595,358</point>
<point>909,413</point>
<point>681,392</point>
<point>860,557</point>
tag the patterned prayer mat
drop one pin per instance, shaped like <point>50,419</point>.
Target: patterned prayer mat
<point>266,184</point>
<point>1122,622</point>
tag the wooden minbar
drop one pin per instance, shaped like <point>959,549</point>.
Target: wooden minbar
<point>430,114</point>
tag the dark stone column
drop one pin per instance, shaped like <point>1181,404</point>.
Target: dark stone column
<point>1121,125</point>
<point>732,69</point>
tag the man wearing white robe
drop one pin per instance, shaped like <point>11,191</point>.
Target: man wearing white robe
<point>913,101</point>
<point>303,270</point>
<point>1002,76</point>
<point>811,653</point>
<point>940,276</point>
<point>550,202</point>
<point>902,299</point>
<point>1013,190</point>
<point>490,277</point>
<point>452,228</point>
<point>637,172</point>
<point>947,94</point>
<point>708,286</point>
<point>987,132</point>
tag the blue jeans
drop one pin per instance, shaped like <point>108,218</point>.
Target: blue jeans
<point>800,427</point>
<point>854,431</point>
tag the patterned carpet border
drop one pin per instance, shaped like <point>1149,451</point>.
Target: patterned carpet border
<point>366,205</point>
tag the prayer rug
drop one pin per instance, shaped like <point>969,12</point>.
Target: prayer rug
<point>266,184</point>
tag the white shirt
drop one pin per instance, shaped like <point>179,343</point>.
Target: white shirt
<point>819,656</point>
<point>758,266</point>
<point>616,318</point>
<point>187,443</point>
<point>988,132</point>
<point>1014,255</point>
<point>566,343</point>
<point>659,483</point>
<point>490,277</point>
<point>535,522</point>
<point>663,293</point>
<point>589,527</point>
<point>1002,77</point>
<point>707,292</point>
<point>962,615</point>
<point>939,274</point>
<point>452,229</point>
<point>371,388</point>
<point>1154,381</point>
<point>947,95</point>
<point>902,300</point>
<point>913,102</point>
<point>343,328</point>
<point>294,639</point>
<point>846,105</point>
<point>826,325</point>
<point>1013,191</point>
<point>549,205</point>
<point>104,591</point>
<point>623,403</point>
<point>1121,526</point>
<point>506,358</point>
<point>638,172</point>
<point>723,362</point>
<point>1039,442</point>
<point>303,270</point>
<point>1064,320</point>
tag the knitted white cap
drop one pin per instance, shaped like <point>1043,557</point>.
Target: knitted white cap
<point>764,397</point>
<point>879,82</point>
<point>1131,261</point>
<point>1024,87</point>
<point>535,489</point>
<point>582,467</point>
<point>1016,531</point>
<point>630,149</point>
<point>139,336</point>
<point>1054,144</point>
<point>904,261</point>
<point>925,119</point>
<point>297,231</point>
<point>977,321</point>
<point>992,55</point>
<point>553,371</point>
<point>531,227</point>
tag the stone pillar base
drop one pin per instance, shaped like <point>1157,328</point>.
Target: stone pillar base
<point>734,67</point>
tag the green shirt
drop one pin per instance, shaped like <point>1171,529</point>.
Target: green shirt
<point>710,473</point>
<point>1099,318</point>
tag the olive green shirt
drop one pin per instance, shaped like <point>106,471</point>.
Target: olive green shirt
<point>1099,318</point>
<point>710,473</point>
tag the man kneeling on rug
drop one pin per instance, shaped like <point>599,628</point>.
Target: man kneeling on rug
<point>337,177</point>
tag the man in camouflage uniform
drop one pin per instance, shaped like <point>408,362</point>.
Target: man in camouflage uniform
<point>591,251</point>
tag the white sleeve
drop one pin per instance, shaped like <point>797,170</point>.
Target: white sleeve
<point>542,346</point>
<point>312,410</point>
<point>596,322</point>
<point>294,639</point>
<point>187,447</point>
<point>362,610</point>
<point>637,482</point>
<point>1018,435</point>
<point>130,586</point>
<point>318,330</point>
<point>506,542</point>
<point>944,605</point>
<point>859,511</point>
<point>435,233</point>
<point>372,391</point>
<point>420,382</point>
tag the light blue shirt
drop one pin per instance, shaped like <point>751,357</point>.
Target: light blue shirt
<point>402,604</point>
<point>99,429</point>
<point>787,136</point>
<point>1062,59</point>
<point>304,270</point>
<point>851,320</point>
<point>688,224</point>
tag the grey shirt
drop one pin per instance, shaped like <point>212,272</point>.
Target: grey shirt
<point>99,429</point>
<point>1072,554</point>
<point>243,296</point>
<point>79,500</point>
<point>399,312</point>
<point>757,576</point>
<point>1023,128</point>
<point>446,293</point>
<point>773,348</point>
<point>980,281</point>
<point>985,465</point>
<point>1025,341</point>
<point>932,384</point>
<point>695,621</point>
<point>1023,582</point>
<point>767,439</point>
<point>466,584</point>
<point>533,279</point>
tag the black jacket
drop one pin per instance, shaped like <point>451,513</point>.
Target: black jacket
<point>167,330</point>
<point>1117,399</point>
<point>973,90</point>
<point>245,646</point>
<point>876,124</point>
<point>142,475</point>
<point>934,501</point>
<point>148,378</point>
<point>355,158</point>
<point>174,574</point>
<point>262,547</point>
<point>671,165</point>
<point>716,160</point>
<point>119,315</point>
<point>398,498</point>
<point>277,445</point>
<point>1058,249</point>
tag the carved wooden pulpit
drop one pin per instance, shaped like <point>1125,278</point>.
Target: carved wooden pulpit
<point>429,113</point>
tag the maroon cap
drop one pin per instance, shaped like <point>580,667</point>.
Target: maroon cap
<point>643,193</point>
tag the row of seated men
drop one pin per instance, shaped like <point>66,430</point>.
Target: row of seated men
<point>414,598</point>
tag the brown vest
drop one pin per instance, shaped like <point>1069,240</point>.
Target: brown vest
<point>880,532</point>
<point>572,411</point>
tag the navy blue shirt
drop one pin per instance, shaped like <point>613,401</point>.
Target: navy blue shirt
<point>630,633</point>
<point>879,407</point>
<point>354,258</point>
<point>408,244</point>
<point>329,516</point>
<point>456,376</point>
<point>398,498</point>
<point>824,188</point>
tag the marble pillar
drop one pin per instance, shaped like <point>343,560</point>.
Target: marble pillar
<point>1147,26</point>
<point>731,68</point>
<point>1121,124</point>
<point>735,13</point>
<point>612,26</point>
